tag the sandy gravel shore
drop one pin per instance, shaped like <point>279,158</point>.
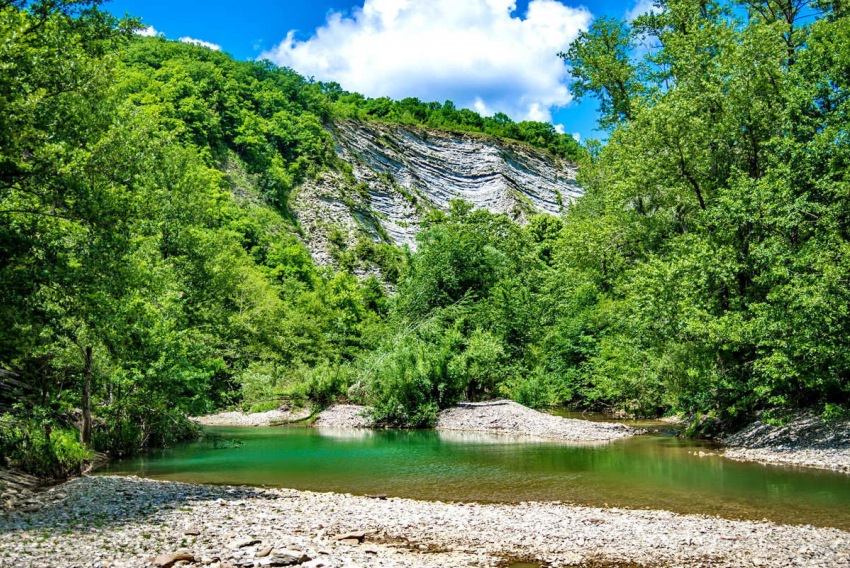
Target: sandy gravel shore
<point>129,522</point>
<point>344,416</point>
<point>498,417</point>
<point>269,418</point>
<point>508,417</point>
<point>806,441</point>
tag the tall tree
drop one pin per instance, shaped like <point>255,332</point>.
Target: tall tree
<point>600,63</point>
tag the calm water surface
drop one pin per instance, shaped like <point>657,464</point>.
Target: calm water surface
<point>658,472</point>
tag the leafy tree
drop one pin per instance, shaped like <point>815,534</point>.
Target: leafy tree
<point>703,212</point>
<point>600,63</point>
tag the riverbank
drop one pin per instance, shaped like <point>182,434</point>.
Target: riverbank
<point>269,418</point>
<point>130,522</point>
<point>16,488</point>
<point>497,417</point>
<point>508,417</point>
<point>806,440</point>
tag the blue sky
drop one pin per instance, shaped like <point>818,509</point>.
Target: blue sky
<point>480,53</point>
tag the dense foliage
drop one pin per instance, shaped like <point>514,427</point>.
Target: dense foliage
<point>151,267</point>
<point>448,117</point>
<point>715,225</point>
<point>705,270</point>
<point>144,276</point>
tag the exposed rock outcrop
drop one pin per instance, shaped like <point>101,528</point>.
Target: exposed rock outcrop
<point>401,173</point>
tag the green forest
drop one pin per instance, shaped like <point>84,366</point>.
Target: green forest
<point>151,268</point>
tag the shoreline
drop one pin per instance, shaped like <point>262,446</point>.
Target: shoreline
<point>276,417</point>
<point>130,522</point>
<point>805,441</point>
<point>503,417</point>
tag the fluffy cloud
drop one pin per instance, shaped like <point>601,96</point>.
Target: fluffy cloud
<point>641,7</point>
<point>202,43</point>
<point>149,31</point>
<point>474,52</point>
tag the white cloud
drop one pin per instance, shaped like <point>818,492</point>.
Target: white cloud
<point>472,52</point>
<point>149,31</point>
<point>559,128</point>
<point>641,7</point>
<point>202,43</point>
<point>577,136</point>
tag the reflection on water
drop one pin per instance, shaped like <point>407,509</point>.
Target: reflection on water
<point>648,423</point>
<point>643,472</point>
<point>465,437</point>
<point>346,433</point>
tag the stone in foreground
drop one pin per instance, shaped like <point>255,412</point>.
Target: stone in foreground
<point>169,560</point>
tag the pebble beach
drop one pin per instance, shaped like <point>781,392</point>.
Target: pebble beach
<point>123,522</point>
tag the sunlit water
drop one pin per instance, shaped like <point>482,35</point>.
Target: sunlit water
<point>657,472</point>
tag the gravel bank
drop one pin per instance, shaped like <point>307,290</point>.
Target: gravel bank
<point>344,416</point>
<point>499,417</point>
<point>806,440</point>
<point>129,522</point>
<point>269,418</point>
<point>508,417</point>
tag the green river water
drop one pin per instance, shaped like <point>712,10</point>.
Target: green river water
<point>657,472</point>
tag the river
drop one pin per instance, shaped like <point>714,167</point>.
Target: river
<point>654,472</point>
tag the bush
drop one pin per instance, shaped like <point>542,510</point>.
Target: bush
<point>534,390</point>
<point>835,412</point>
<point>127,428</point>
<point>263,406</point>
<point>41,449</point>
<point>413,380</point>
<point>327,383</point>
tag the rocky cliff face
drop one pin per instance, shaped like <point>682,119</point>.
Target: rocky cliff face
<point>400,174</point>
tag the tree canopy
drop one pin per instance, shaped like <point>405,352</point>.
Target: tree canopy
<point>152,269</point>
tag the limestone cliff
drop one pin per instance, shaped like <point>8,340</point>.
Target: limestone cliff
<point>399,174</point>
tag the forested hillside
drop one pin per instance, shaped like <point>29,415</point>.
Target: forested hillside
<point>152,266</point>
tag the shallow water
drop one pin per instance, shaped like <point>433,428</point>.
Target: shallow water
<point>656,472</point>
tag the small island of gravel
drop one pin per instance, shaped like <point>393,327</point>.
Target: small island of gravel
<point>282,415</point>
<point>496,417</point>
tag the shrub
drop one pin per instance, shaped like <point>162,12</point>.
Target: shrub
<point>534,390</point>
<point>328,383</point>
<point>413,380</point>
<point>127,428</point>
<point>41,449</point>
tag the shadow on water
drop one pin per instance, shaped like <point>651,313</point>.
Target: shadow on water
<point>655,472</point>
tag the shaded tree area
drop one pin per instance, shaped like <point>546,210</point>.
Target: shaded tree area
<point>137,288</point>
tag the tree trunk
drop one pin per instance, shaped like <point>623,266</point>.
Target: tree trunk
<point>85,433</point>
